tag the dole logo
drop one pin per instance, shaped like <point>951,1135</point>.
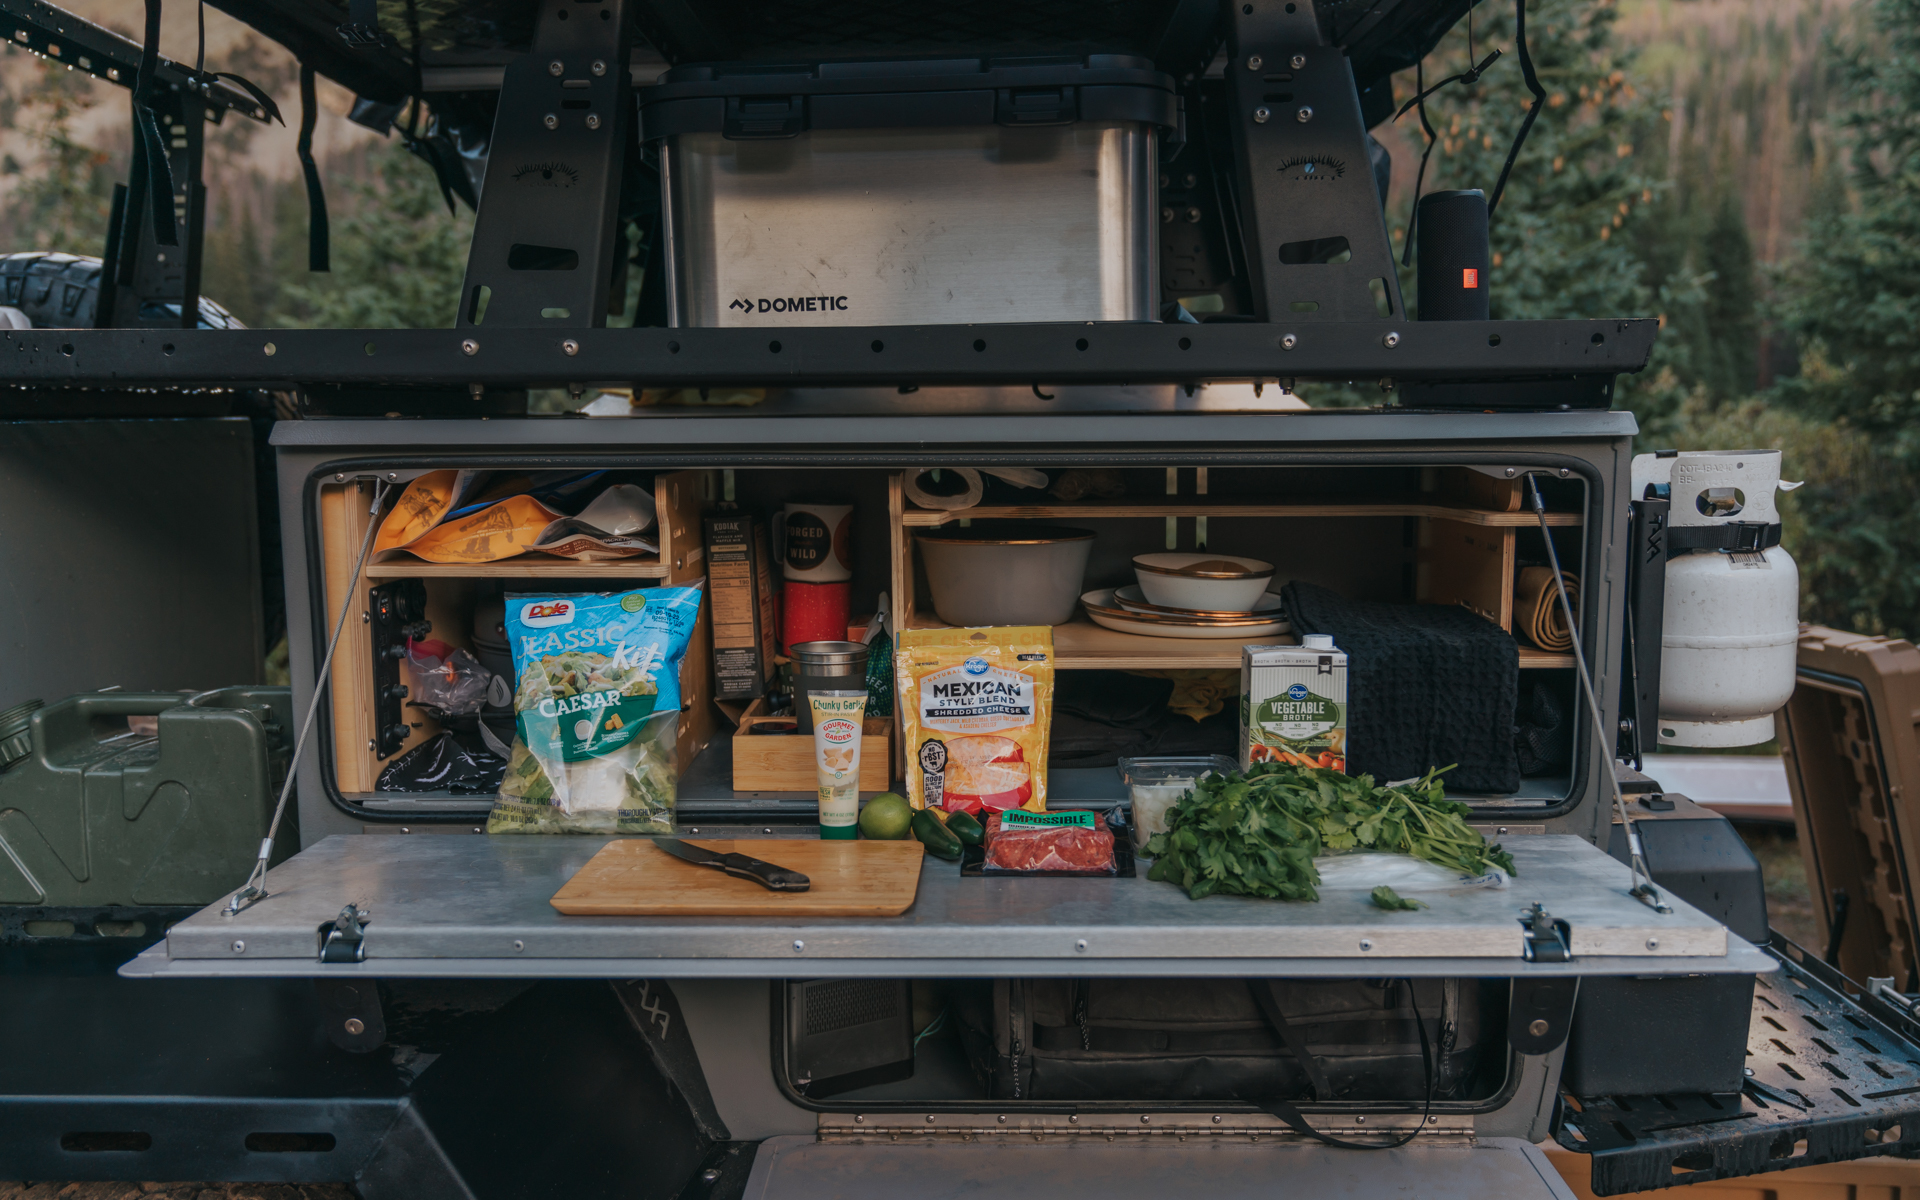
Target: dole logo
<point>539,614</point>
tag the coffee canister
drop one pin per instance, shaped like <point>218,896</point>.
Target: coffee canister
<point>816,542</point>
<point>814,612</point>
<point>827,666</point>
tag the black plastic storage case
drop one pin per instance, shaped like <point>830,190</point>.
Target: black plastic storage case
<point>948,191</point>
<point>1645,1037</point>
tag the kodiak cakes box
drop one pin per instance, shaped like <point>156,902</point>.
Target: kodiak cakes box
<point>740,581</point>
<point>1293,704</point>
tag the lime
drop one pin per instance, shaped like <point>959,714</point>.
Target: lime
<point>886,817</point>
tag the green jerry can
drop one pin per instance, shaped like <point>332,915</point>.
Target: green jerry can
<point>127,799</point>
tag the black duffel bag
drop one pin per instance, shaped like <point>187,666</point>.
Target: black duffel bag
<point>1227,1040</point>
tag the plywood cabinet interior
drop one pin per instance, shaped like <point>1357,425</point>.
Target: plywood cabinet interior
<point>679,500</point>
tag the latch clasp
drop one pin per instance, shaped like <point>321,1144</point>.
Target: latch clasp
<point>343,939</point>
<point>1548,939</point>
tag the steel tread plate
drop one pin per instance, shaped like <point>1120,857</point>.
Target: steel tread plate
<point>464,899</point>
<point>1830,1081</point>
<point>1116,352</point>
<point>801,1168</point>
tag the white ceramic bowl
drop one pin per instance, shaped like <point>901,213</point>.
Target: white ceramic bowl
<point>1005,572</point>
<point>1202,580</point>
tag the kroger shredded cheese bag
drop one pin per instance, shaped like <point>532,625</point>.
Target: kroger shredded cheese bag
<point>596,712</point>
<point>978,705</point>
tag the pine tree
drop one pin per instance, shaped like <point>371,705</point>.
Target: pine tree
<point>1696,249</point>
<point>398,258</point>
<point>1853,300</point>
<point>1579,177</point>
<point>1580,182</point>
<point>60,200</point>
<point>1727,360</point>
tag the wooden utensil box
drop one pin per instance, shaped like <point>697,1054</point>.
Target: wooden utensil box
<point>773,762</point>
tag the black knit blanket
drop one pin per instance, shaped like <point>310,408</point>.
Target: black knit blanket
<point>1427,685</point>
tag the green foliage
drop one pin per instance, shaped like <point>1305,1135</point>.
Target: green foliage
<point>1853,300</point>
<point>256,244</point>
<point>1747,92</point>
<point>1856,293</point>
<point>1582,173</point>
<point>1385,897</point>
<point>398,258</point>
<point>1257,834</point>
<point>1581,179</point>
<point>61,200</point>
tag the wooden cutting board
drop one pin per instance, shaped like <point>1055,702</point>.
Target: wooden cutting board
<point>631,877</point>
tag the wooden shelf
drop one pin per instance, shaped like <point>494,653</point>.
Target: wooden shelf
<point>1532,659</point>
<point>922,518</point>
<point>1080,645</point>
<point>524,566</point>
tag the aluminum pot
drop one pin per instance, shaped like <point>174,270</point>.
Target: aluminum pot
<point>825,667</point>
<point>1006,572</point>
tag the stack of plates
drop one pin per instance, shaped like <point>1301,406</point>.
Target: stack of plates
<point>1127,611</point>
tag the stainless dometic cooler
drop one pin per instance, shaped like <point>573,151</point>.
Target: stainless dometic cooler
<point>952,191</point>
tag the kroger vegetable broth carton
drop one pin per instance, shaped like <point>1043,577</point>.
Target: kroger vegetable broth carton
<point>1293,704</point>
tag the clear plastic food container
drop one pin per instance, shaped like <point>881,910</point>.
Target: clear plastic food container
<point>1156,784</point>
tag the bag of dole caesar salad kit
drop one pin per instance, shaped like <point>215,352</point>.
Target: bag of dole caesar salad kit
<point>596,711</point>
<point>978,709</point>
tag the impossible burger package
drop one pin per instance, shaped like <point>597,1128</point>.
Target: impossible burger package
<point>978,709</point>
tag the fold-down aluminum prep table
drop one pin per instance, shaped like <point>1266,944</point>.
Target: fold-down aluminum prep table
<point>465,906</point>
<point>476,907</point>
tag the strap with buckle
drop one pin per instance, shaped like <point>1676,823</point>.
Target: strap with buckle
<point>1737,536</point>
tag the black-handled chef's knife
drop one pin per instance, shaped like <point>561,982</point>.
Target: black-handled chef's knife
<point>744,866</point>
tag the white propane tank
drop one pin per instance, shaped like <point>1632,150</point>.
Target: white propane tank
<point>1732,617</point>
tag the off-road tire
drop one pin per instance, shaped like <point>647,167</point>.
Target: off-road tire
<point>61,291</point>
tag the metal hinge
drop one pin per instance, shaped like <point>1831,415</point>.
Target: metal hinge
<point>1884,989</point>
<point>1171,1127</point>
<point>1548,939</point>
<point>343,939</point>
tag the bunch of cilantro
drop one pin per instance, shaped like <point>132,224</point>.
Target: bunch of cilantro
<point>1257,834</point>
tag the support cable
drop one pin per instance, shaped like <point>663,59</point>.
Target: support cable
<point>254,889</point>
<point>1643,889</point>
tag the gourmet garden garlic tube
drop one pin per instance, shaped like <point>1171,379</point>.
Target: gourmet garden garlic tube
<point>838,722</point>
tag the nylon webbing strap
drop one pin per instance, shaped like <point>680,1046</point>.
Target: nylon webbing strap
<point>1296,1045</point>
<point>153,146</point>
<point>319,241</point>
<point>1532,80</point>
<point>1269,1003</point>
<point>1735,535</point>
<point>250,88</point>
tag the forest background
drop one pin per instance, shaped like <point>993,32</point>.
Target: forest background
<point>1746,170</point>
